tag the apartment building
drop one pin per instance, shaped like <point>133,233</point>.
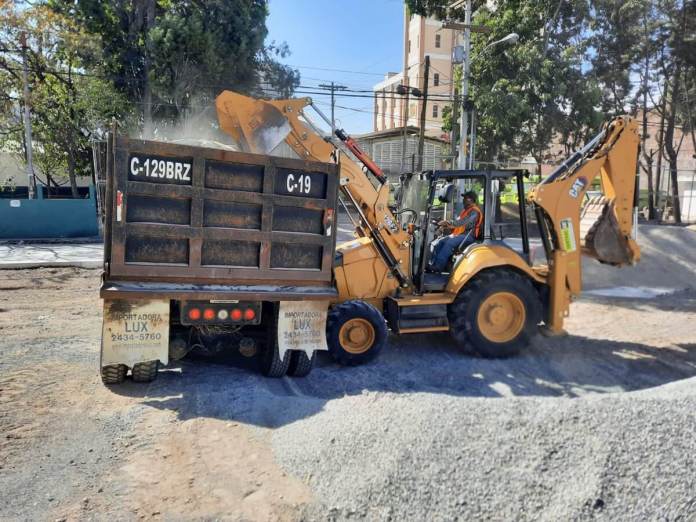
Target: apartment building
<point>422,37</point>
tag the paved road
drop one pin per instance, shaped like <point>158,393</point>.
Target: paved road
<point>35,255</point>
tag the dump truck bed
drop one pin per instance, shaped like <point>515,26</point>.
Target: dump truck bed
<point>199,222</point>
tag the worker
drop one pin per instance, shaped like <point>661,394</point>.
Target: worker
<point>465,231</point>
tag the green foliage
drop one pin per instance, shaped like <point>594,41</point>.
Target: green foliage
<point>189,51</point>
<point>530,92</point>
<point>69,107</point>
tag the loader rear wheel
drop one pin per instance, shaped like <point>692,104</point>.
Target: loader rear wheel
<point>145,371</point>
<point>356,332</point>
<point>114,373</point>
<point>496,314</point>
<point>301,364</point>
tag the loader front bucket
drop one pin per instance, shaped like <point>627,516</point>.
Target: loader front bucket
<point>257,126</point>
<point>601,236</point>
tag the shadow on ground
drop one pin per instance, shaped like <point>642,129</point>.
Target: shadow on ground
<point>230,388</point>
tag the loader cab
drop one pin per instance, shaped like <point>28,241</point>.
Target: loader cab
<point>432,196</point>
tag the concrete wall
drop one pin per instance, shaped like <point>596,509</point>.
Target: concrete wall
<point>48,218</point>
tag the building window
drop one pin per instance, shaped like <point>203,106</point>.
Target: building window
<point>409,46</point>
<point>436,80</point>
<point>435,111</point>
<point>437,41</point>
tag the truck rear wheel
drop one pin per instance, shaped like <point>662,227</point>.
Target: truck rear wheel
<point>145,371</point>
<point>356,332</point>
<point>114,373</point>
<point>496,314</point>
<point>301,364</point>
<point>270,362</point>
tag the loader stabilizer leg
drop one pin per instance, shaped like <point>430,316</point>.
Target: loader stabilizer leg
<point>559,305</point>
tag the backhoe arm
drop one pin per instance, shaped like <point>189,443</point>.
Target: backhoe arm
<point>603,227</point>
<point>260,125</point>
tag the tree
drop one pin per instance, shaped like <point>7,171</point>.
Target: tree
<point>528,94</point>
<point>173,55</point>
<point>69,107</point>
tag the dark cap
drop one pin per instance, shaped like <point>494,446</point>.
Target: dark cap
<point>471,195</point>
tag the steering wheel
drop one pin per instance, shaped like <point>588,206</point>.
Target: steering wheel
<point>440,230</point>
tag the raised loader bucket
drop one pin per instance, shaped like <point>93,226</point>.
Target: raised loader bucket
<point>601,237</point>
<point>256,126</point>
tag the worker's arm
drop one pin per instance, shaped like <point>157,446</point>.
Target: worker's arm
<point>468,222</point>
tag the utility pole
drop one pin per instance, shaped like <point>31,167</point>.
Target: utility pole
<point>147,87</point>
<point>27,117</point>
<point>454,133</point>
<point>404,137</point>
<point>464,127</point>
<point>333,88</point>
<point>424,107</point>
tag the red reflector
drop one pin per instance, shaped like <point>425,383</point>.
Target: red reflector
<point>236,314</point>
<point>194,314</point>
<point>209,314</point>
<point>249,314</point>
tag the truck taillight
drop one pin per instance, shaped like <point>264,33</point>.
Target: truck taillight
<point>235,313</point>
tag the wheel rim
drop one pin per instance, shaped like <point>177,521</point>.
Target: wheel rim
<point>501,317</point>
<point>357,335</point>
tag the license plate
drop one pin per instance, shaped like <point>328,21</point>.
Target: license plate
<point>302,326</point>
<point>159,169</point>
<point>135,331</point>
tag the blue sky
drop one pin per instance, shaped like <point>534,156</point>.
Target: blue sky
<point>327,38</point>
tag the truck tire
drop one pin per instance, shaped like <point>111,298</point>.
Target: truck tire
<point>355,332</point>
<point>114,373</point>
<point>300,364</point>
<point>270,361</point>
<point>271,364</point>
<point>495,314</point>
<point>145,371</point>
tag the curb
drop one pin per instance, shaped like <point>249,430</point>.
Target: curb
<point>51,264</point>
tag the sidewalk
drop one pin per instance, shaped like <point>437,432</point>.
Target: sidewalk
<point>34,255</point>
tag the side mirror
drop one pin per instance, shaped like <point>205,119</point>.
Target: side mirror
<point>446,193</point>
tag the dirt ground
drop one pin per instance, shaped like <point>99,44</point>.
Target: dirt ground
<point>216,440</point>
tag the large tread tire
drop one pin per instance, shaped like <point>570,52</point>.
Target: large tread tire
<point>114,373</point>
<point>270,361</point>
<point>463,313</point>
<point>340,315</point>
<point>145,371</point>
<point>272,365</point>
<point>300,364</point>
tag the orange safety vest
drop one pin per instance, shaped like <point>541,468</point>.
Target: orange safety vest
<point>477,227</point>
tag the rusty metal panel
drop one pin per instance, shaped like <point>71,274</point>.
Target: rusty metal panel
<point>230,214</point>
<point>296,219</point>
<point>284,255</point>
<point>141,248</point>
<point>149,209</point>
<point>230,253</point>
<point>179,213</point>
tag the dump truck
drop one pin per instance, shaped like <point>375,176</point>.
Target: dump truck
<point>492,297</point>
<point>215,249</point>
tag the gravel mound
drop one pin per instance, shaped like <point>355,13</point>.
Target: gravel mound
<point>380,456</point>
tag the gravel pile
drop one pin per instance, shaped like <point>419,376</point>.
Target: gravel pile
<point>433,457</point>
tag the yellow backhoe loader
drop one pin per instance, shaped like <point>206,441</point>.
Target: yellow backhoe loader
<point>492,297</point>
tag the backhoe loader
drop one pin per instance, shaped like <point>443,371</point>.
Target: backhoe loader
<point>492,298</point>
